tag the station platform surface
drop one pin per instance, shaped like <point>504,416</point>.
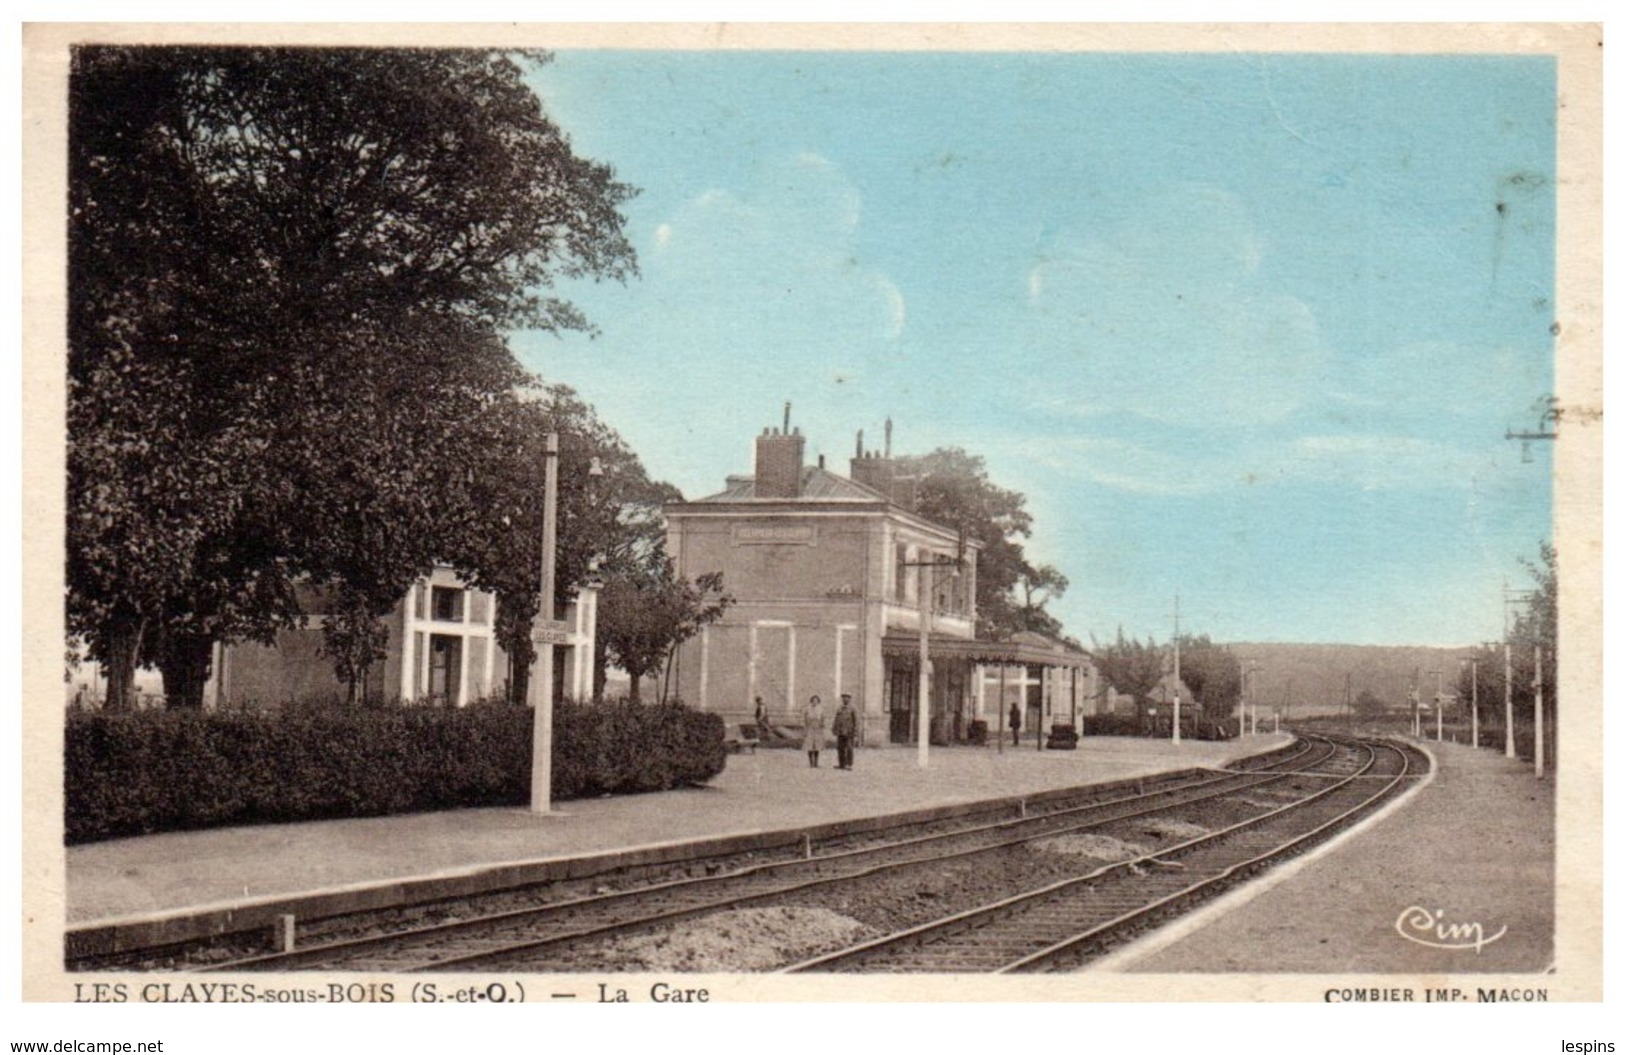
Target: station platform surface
<point>1476,844</point>
<point>768,790</point>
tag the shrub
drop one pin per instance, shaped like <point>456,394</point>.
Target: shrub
<point>1113,725</point>
<point>151,771</point>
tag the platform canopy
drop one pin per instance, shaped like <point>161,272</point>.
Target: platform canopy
<point>1022,650</point>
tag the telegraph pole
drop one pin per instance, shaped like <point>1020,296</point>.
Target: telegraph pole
<point>1176,670</point>
<point>1540,733</point>
<point>541,751</point>
<point>922,754</point>
<point>1438,706</point>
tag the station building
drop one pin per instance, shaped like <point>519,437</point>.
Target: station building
<point>442,650</point>
<point>830,579</point>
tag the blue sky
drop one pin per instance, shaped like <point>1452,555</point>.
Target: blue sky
<point>1245,327</point>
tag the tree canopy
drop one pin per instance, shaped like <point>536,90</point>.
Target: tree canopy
<point>954,490</point>
<point>1533,623</point>
<point>609,516</point>
<point>644,616</point>
<point>1131,667</point>
<point>1212,673</point>
<point>290,274</point>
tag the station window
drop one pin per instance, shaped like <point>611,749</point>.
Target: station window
<point>447,604</point>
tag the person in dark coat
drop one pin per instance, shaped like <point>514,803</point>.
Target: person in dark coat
<point>845,728</point>
<point>1015,724</point>
<point>812,735</point>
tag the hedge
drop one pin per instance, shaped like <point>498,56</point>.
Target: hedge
<point>152,771</point>
<point>1133,725</point>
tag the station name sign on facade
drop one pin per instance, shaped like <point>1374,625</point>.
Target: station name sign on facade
<point>777,535</point>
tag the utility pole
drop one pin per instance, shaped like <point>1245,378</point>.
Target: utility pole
<point>1474,662</point>
<point>1176,670</point>
<point>1540,733</point>
<point>1416,702</point>
<point>1438,707</point>
<point>541,751</point>
<point>922,755</point>
<point>1511,751</point>
<point>1475,702</point>
<point>927,601</point>
<point>1252,671</point>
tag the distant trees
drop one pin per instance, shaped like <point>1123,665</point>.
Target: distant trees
<point>1212,673</point>
<point>1131,668</point>
<point>1533,624</point>
<point>954,490</point>
<point>289,274</point>
<point>1367,706</point>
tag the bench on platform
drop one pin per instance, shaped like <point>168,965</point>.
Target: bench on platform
<point>746,735</point>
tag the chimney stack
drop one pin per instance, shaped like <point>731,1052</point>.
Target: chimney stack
<point>778,462</point>
<point>878,472</point>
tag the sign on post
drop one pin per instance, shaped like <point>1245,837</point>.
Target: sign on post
<point>550,632</point>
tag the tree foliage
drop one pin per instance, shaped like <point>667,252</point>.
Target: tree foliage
<point>1367,705</point>
<point>289,275</point>
<point>644,617</point>
<point>1212,673</point>
<point>954,490</point>
<point>1534,623</point>
<point>1131,667</point>
<point>609,516</point>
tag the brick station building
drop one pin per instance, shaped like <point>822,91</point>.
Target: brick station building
<point>826,570</point>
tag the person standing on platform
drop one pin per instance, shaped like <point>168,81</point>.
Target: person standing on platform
<point>812,736</point>
<point>762,732</point>
<point>1015,724</point>
<point>846,732</point>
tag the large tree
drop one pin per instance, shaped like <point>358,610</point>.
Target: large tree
<point>609,516</point>
<point>954,490</point>
<point>289,274</point>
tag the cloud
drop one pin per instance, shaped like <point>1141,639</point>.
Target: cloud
<point>1164,316</point>
<point>771,266</point>
<point>1173,468</point>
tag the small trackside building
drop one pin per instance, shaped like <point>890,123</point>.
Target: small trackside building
<point>826,574</point>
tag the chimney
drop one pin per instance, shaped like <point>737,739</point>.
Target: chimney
<point>877,471</point>
<point>778,463</point>
<point>873,471</point>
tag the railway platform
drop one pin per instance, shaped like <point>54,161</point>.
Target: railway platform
<point>149,880</point>
<point>1474,846</point>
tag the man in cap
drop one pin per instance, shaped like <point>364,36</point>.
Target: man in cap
<point>846,732</point>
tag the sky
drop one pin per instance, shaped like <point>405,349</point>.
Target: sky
<point>1244,328</point>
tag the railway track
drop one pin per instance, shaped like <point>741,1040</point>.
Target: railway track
<point>1065,925</point>
<point>541,937</point>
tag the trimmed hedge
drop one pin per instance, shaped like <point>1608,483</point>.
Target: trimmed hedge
<point>1132,725</point>
<point>152,771</point>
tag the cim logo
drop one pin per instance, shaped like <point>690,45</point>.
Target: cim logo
<point>1419,925</point>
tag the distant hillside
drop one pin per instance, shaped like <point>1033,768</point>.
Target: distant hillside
<point>1317,673</point>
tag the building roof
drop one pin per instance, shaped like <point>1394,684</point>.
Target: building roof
<point>903,644</point>
<point>817,485</point>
